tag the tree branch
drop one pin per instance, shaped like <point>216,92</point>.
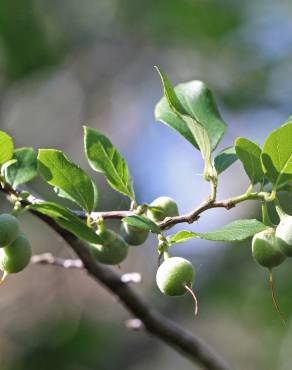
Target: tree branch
<point>156,324</point>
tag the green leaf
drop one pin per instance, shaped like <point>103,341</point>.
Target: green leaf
<point>225,159</point>
<point>249,154</point>
<point>181,236</point>
<point>196,101</point>
<point>197,130</point>
<point>203,141</point>
<point>6,147</point>
<point>277,155</point>
<point>235,231</point>
<point>67,220</point>
<point>24,169</point>
<point>104,157</point>
<point>6,165</point>
<point>62,194</point>
<point>58,171</point>
<point>142,222</point>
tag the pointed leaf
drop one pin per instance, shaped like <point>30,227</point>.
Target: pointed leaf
<point>104,157</point>
<point>197,102</point>
<point>249,154</point>
<point>6,147</point>
<point>142,222</point>
<point>198,131</point>
<point>58,171</point>
<point>235,231</point>
<point>225,159</point>
<point>277,155</point>
<point>24,169</point>
<point>181,236</point>
<point>67,220</point>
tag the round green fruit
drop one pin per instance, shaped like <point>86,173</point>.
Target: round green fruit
<point>266,250</point>
<point>113,249</point>
<point>9,229</point>
<point>173,275</point>
<point>15,256</point>
<point>162,207</point>
<point>133,235</point>
<point>284,235</point>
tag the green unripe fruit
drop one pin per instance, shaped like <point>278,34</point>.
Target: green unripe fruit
<point>16,256</point>
<point>133,235</point>
<point>113,249</point>
<point>284,235</point>
<point>166,207</point>
<point>9,229</point>
<point>266,250</point>
<point>173,275</point>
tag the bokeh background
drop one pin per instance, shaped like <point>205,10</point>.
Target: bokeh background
<point>67,63</point>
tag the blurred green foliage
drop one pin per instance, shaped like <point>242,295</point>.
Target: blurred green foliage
<point>23,39</point>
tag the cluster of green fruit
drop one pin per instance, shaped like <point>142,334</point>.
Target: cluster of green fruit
<point>175,275</point>
<point>15,248</point>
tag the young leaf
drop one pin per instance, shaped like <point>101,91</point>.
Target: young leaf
<point>235,231</point>
<point>142,222</point>
<point>104,157</point>
<point>67,220</point>
<point>170,94</point>
<point>24,169</point>
<point>58,171</point>
<point>225,159</point>
<point>198,132</point>
<point>249,154</point>
<point>6,147</point>
<point>181,236</point>
<point>197,102</point>
<point>277,155</point>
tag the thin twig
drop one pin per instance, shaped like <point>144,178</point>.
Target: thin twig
<point>49,259</point>
<point>168,222</point>
<point>67,263</point>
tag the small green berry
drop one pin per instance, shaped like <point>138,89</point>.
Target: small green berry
<point>266,250</point>
<point>284,235</point>
<point>16,256</point>
<point>113,249</point>
<point>162,207</point>
<point>9,229</point>
<point>173,275</point>
<point>133,235</point>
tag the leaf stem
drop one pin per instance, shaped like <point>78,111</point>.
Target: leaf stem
<point>265,215</point>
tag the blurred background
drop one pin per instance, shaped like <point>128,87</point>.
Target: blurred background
<point>68,63</point>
